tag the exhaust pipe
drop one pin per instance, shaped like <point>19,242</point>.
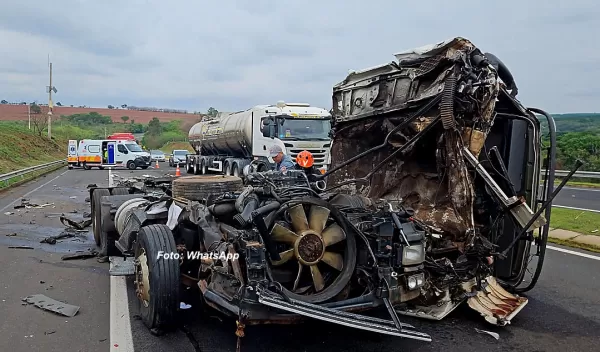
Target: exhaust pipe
<point>320,185</point>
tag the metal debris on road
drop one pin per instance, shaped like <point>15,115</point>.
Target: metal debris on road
<point>92,185</point>
<point>9,213</point>
<point>20,247</point>
<point>11,235</point>
<point>47,303</point>
<point>80,255</point>
<point>492,334</point>
<point>78,225</point>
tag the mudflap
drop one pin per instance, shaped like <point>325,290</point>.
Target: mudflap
<point>493,302</point>
<point>340,317</point>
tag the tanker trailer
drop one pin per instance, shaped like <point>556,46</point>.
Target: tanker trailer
<point>228,142</point>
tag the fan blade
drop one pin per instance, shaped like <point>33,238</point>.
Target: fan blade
<point>298,216</point>
<point>317,278</point>
<point>333,234</point>
<point>317,219</point>
<point>285,256</point>
<point>282,234</point>
<point>334,260</point>
<point>297,277</point>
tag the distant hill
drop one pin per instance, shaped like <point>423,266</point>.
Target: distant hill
<point>9,112</point>
<point>578,122</point>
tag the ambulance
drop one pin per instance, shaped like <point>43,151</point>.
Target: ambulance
<point>120,153</point>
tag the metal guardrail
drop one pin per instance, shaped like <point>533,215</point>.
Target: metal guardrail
<point>582,174</point>
<point>8,176</point>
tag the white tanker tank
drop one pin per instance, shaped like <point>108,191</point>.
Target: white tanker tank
<point>228,142</point>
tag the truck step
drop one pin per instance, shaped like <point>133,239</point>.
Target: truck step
<point>335,316</point>
<point>121,266</point>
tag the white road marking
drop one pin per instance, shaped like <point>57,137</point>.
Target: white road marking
<point>573,208</point>
<point>582,189</point>
<point>579,254</point>
<point>33,190</point>
<point>121,338</point>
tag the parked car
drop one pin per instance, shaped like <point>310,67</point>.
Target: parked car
<point>157,155</point>
<point>178,157</point>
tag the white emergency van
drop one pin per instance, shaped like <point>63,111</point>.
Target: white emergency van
<point>93,153</point>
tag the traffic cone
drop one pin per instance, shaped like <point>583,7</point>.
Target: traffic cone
<point>177,171</point>
<point>157,167</point>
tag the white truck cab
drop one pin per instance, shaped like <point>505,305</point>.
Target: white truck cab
<point>91,153</point>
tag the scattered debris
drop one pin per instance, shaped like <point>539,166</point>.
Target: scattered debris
<point>47,303</point>
<point>492,334</point>
<point>73,212</point>
<point>87,200</point>
<point>78,225</point>
<point>183,305</point>
<point>32,222</point>
<point>42,282</point>
<point>11,235</point>
<point>87,214</point>
<point>20,247</point>
<point>80,255</point>
<point>25,203</point>
<point>53,239</point>
<point>9,213</point>
<point>594,231</point>
<point>73,197</point>
<point>49,332</point>
<point>92,185</point>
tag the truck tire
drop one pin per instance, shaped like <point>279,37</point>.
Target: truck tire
<point>157,278</point>
<point>198,188</point>
<point>96,214</point>
<point>131,165</point>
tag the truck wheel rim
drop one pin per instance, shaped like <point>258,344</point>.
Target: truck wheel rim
<point>142,282</point>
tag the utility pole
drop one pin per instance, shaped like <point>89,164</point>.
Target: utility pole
<point>29,114</point>
<point>50,105</point>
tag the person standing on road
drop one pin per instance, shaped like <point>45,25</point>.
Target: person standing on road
<point>282,161</point>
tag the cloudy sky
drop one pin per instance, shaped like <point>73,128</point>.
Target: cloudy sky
<point>233,54</point>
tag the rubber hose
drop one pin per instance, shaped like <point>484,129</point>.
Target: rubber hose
<point>447,103</point>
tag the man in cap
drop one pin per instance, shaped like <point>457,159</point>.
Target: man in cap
<point>283,161</point>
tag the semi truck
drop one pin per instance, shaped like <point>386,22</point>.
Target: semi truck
<point>228,142</point>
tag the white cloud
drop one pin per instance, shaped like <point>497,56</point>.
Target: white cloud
<point>235,54</point>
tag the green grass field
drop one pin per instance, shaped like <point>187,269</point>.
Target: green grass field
<point>584,222</point>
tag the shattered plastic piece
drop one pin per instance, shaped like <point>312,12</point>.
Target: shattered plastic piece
<point>9,213</point>
<point>183,305</point>
<point>497,305</point>
<point>492,334</point>
<point>47,303</point>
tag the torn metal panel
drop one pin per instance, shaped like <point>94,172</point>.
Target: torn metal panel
<point>47,303</point>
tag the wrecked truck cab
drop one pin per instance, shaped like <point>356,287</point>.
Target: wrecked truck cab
<point>438,212</point>
<point>460,150</point>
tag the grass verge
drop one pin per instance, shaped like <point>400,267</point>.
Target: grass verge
<point>584,222</point>
<point>21,147</point>
<point>19,180</point>
<point>574,244</point>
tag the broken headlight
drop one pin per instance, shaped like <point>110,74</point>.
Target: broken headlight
<point>413,254</point>
<point>415,281</point>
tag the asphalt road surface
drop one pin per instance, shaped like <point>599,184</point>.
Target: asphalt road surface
<point>563,313</point>
<point>582,198</point>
